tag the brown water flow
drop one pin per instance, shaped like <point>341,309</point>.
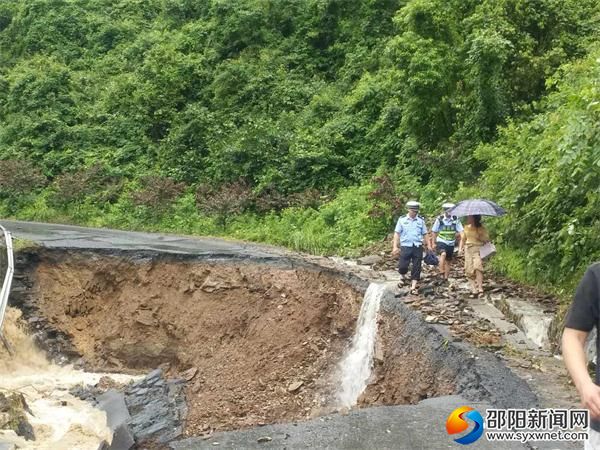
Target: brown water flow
<point>59,420</point>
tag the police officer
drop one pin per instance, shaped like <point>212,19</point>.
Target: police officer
<point>445,230</point>
<point>410,234</point>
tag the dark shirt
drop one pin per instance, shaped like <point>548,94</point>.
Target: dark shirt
<point>584,312</point>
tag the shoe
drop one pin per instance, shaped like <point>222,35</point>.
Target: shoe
<point>414,291</point>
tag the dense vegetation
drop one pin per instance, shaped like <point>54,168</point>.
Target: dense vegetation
<point>306,123</point>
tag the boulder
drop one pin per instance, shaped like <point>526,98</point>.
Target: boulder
<point>369,260</point>
<point>13,416</point>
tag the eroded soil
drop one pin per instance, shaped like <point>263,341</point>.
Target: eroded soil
<point>260,342</point>
<point>257,342</point>
<point>402,373</point>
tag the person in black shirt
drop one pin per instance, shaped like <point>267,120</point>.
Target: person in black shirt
<point>581,319</point>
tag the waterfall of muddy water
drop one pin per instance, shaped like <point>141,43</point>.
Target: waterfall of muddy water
<point>355,367</point>
<point>59,420</point>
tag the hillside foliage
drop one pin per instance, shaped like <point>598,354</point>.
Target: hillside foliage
<point>306,123</point>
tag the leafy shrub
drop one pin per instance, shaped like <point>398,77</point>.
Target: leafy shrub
<point>342,225</point>
<point>389,199</point>
<point>157,193</point>
<point>94,183</point>
<point>308,198</point>
<point>546,172</point>
<point>271,199</point>
<point>225,200</point>
<point>19,176</point>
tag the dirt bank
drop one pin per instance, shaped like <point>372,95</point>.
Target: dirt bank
<point>259,341</point>
<point>396,363</point>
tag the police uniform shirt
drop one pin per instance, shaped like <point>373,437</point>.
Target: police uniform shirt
<point>411,231</point>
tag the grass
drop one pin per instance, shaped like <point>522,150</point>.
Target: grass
<point>342,226</point>
<point>22,244</point>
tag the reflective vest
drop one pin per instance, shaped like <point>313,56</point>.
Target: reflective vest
<point>447,231</point>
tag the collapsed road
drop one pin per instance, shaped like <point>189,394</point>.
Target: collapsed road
<point>254,334</point>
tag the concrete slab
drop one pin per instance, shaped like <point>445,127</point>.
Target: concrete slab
<point>414,427</point>
<point>117,415</point>
<point>530,318</point>
<point>113,403</point>
<point>122,438</point>
<point>511,334</point>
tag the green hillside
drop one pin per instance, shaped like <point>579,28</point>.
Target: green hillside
<point>307,123</point>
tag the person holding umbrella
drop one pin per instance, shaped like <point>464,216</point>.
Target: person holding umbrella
<point>475,236</point>
<point>409,238</point>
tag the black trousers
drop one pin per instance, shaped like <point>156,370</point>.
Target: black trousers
<point>408,255</point>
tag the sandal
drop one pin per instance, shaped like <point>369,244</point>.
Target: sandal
<point>474,295</point>
<point>414,292</point>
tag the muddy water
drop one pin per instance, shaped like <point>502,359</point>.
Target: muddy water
<point>355,368</point>
<point>59,420</point>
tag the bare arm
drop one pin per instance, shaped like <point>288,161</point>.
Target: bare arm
<point>486,235</point>
<point>434,234</point>
<point>395,249</point>
<point>461,242</point>
<point>573,342</point>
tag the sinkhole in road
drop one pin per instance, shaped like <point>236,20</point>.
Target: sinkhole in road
<point>260,341</point>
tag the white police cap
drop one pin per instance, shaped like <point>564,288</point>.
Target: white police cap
<point>413,205</point>
<point>448,205</point>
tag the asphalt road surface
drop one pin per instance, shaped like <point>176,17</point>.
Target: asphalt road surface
<point>55,235</point>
